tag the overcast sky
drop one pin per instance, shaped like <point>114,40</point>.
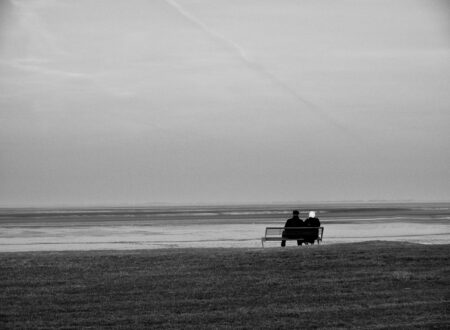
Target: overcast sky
<point>223,101</point>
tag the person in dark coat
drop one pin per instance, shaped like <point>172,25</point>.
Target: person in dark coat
<point>295,221</point>
<point>313,222</point>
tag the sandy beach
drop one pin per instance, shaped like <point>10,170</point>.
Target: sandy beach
<point>213,226</point>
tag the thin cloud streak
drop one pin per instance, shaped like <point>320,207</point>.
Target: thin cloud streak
<point>236,47</point>
<point>35,68</point>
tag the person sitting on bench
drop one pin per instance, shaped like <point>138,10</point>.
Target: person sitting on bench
<point>295,221</point>
<point>311,235</point>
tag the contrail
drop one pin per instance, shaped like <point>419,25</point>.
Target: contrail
<point>238,49</point>
<point>256,67</point>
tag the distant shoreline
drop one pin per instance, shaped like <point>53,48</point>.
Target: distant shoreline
<point>205,227</point>
<point>289,205</point>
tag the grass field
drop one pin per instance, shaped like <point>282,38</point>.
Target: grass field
<point>366,285</point>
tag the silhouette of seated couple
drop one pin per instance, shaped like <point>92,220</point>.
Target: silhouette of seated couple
<point>307,236</point>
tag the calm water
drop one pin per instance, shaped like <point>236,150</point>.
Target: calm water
<point>214,226</point>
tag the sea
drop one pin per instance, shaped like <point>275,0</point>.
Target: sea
<point>214,226</point>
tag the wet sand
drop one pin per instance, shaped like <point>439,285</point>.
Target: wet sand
<point>214,226</point>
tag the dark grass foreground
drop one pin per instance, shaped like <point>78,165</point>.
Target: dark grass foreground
<point>367,285</point>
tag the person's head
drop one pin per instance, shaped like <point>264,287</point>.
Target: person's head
<point>312,214</point>
<point>295,213</point>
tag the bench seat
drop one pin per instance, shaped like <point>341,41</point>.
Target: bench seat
<point>295,233</point>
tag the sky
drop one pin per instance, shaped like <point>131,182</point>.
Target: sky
<point>135,102</point>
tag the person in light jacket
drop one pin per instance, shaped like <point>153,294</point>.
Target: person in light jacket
<point>313,222</point>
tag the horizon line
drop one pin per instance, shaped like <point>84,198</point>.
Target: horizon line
<point>218,204</point>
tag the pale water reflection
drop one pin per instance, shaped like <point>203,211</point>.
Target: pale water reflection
<point>234,227</point>
<point>217,235</point>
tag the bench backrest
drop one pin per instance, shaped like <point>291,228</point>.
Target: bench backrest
<point>278,231</point>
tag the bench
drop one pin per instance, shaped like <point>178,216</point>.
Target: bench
<point>296,234</point>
